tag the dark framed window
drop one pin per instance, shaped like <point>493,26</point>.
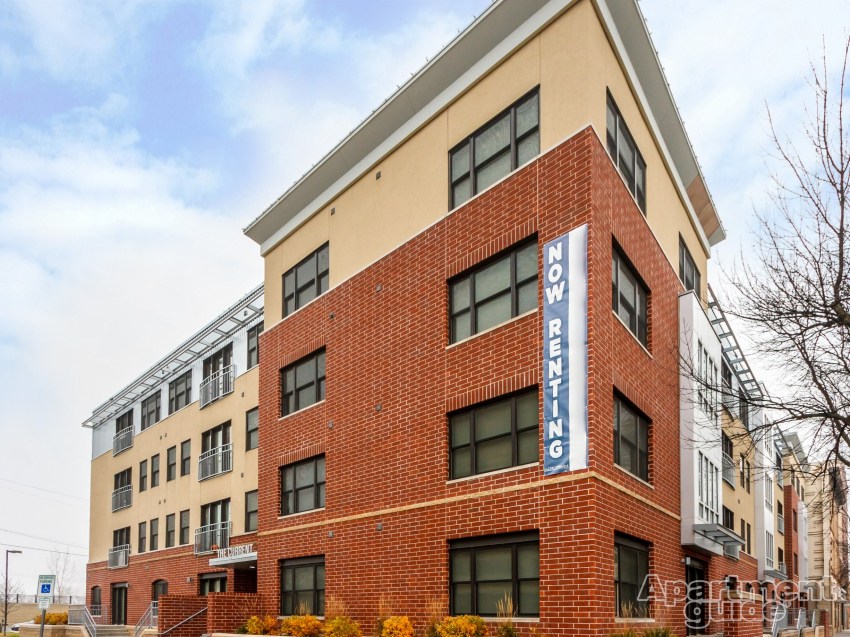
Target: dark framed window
<point>185,457</point>
<point>151,409</point>
<point>217,361</point>
<point>744,408</point>
<point>251,511</point>
<point>143,526</point>
<point>155,471</point>
<point>629,297</point>
<point>302,486</point>
<point>631,439</point>
<point>749,539</point>
<point>254,345</point>
<point>212,583</point>
<point>303,383</point>
<point>170,531</point>
<point>305,281</point>
<point>154,534</point>
<point>216,437</point>
<point>728,519</point>
<point>124,421</point>
<point>302,585</point>
<point>625,154</point>
<point>180,392</point>
<point>123,478</point>
<point>502,145</point>
<point>171,464</point>
<point>483,570</point>
<point>631,566</point>
<point>95,601</point>
<point>143,475</point>
<point>217,512</point>
<point>493,292</point>
<point>121,537</point>
<point>158,589</point>
<point>495,435</point>
<point>184,527</point>
<point>252,429</point>
<point>688,272</point>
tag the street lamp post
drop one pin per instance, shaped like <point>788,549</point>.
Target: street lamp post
<point>6,593</point>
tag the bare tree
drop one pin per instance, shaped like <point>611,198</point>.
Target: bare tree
<point>61,564</point>
<point>8,603</point>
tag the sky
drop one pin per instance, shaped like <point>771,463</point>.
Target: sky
<point>138,138</point>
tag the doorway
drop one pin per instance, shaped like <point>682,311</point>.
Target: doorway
<point>696,617</point>
<point>119,604</point>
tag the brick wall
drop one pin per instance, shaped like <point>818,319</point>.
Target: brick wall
<point>174,609</point>
<point>226,612</point>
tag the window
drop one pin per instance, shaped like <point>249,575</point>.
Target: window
<point>169,530</point>
<point>171,464</point>
<point>484,570</point>
<point>302,486</point>
<point>122,479</point>
<point>121,537</point>
<point>158,589</point>
<point>768,549</point>
<point>216,362</point>
<point>742,475</point>
<point>151,410</point>
<point>217,512</point>
<point>688,273</point>
<point>796,564</point>
<point>216,437</point>
<point>305,281</point>
<point>143,475</point>
<point>303,383</point>
<point>706,380</point>
<point>728,519</point>
<point>143,532</point>
<point>154,534</point>
<point>749,539</point>
<point>124,421</point>
<point>251,511</point>
<point>780,555</point>
<point>625,154</point>
<point>254,345</point>
<point>252,429</point>
<point>768,491</point>
<point>743,408</point>
<point>185,457</point>
<point>496,435</point>
<point>180,392</point>
<point>212,583</point>
<point>505,143</point>
<point>749,474</point>
<point>631,566</point>
<point>302,585</point>
<point>744,534</point>
<point>631,439</point>
<point>155,471</point>
<point>794,521</point>
<point>780,518</point>
<point>184,527</point>
<point>628,297</point>
<point>95,601</point>
<point>497,290</point>
<point>708,486</point>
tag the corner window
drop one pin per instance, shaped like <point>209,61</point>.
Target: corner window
<point>305,281</point>
<point>494,292</point>
<point>303,383</point>
<point>252,429</point>
<point>631,439</point>
<point>151,410</point>
<point>251,511</point>
<point>484,570</point>
<point>302,486</point>
<point>302,585</point>
<point>506,142</point>
<point>625,154</point>
<point>254,345</point>
<point>629,297</point>
<point>496,435</point>
<point>184,527</point>
<point>688,273</point>
<point>180,392</point>
<point>631,566</point>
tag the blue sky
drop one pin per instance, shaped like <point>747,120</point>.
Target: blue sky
<point>138,138</point>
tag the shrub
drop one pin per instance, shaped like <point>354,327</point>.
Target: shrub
<point>385,609</point>
<point>342,626</point>
<point>462,626</point>
<point>257,625</point>
<point>629,632</point>
<point>435,610</point>
<point>301,626</point>
<point>397,626</point>
<point>505,612</point>
<point>658,632</point>
<point>53,619</point>
<point>334,607</point>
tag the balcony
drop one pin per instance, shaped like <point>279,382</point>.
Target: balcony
<point>781,567</point>
<point>217,385</point>
<point>212,537</point>
<point>122,441</point>
<point>122,497</point>
<point>215,462</point>
<point>730,472</point>
<point>119,556</point>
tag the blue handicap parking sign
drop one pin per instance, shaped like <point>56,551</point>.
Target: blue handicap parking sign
<point>45,589</point>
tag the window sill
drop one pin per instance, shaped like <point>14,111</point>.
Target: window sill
<point>632,334</point>
<point>490,329</point>
<point>493,473</point>
<point>634,620</point>
<point>633,476</point>
<point>289,516</point>
<point>301,411</point>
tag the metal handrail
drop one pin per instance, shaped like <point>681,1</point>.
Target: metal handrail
<point>122,440</point>
<point>215,461</point>
<point>122,498</point>
<point>119,556</point>
<point>217,534</point>
<point>188,619</point>
<point>147,619</point>
<point>79,615</point>
<point>217,385</point>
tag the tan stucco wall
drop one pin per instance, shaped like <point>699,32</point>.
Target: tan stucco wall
<point>737,499</point>
<point>183,492</point>
<point>573,63</point>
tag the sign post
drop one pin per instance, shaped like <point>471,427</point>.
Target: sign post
<point>45,593</point>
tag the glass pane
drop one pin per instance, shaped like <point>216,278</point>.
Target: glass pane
<point>304,578</point>
<point>490,594</point>
<point>460,566</point>
<point>492,140</point>
<point>528,447</point>
<point>306,295</point>
<point>461,327</point>
<point>460,429</point>
<point>307,499</point>
<point>628,565</point>
<point>289,379</point>
<point>493,172</point>
<point>493,312</point>
<point>493,420</point>
<point>528,148</point>
<point>323,283</point>
<point>304,475</point>
<point>527,115</point>
<point>290,305</point>
<point>320,469</point>
<point>527,410</point>
<point>460,295</point>
<point>493,564</point>
<point>529,598</point>
<point>462,599</point>
<point>527,297</point>
<point>461,462</point>
<point>460,192</point>
<point>528,561</point>
<point>321,489</point>
<point>493,279</point>
<point>460,162</point>
<point>306,396</point>
<point>628,424</point>
<point>287,579</point>
<point>322,259</point>
<point>320,364</point>
<point>526,262</point>
<point>304,600</point>
<point>493,454</point>
<point>306,272</point>
<point>289,284</point>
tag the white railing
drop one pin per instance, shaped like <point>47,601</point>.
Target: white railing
<point>730,472</point>
<point>122,497</point>
<point>79,615</point>
<point>780,523</point>
<point>215,461</point>
<point>122,441</point>
<point>781,567</point>
<point>119,556</point>
<point>217,385</point>
<point>148,620</point>
<point>212,537</point>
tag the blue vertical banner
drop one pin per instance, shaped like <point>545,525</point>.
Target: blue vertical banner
<point>565,352</point>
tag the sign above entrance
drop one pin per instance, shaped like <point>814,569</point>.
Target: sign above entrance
<point>235,551</point>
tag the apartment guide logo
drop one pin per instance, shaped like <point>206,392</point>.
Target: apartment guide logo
<point>565,352</point>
